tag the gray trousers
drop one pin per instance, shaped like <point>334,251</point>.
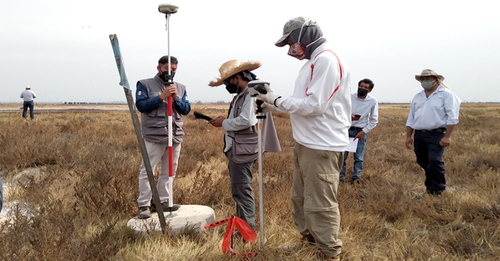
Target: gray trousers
<point>241,188</point>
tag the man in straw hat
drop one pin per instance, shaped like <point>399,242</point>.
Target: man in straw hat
<point>240,134</point>
<point>433,115</point>
<point>151,101</point>
<point>320,113</point>
<point>28,95</point>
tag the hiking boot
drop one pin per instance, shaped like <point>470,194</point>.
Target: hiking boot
<point>326,258</point>
<point>165,207</point>
<point>144,212</point>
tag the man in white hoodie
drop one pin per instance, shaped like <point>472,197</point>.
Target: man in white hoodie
<point>320,113</point>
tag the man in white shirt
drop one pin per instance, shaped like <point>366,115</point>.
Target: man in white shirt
<point>28,95</point>
<point>320,111</point>
<point>364,118</point>
<point>433,115</point>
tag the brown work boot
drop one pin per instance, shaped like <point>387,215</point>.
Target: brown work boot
<point>323,257</point>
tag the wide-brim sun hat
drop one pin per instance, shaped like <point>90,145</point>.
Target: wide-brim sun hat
<point>429,72</point>
<point>292,25</point>
<point>233,67</point>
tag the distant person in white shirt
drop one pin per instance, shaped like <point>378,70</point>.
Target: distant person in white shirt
<point>433,116</point>
<point>364,118</point>
<point>28,95</point>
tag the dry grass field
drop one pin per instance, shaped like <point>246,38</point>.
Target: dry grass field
<point>80,189</point>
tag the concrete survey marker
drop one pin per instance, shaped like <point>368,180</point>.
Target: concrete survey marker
<point>186,219</point>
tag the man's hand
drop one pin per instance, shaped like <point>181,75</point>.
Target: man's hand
<point>270,97</point>
<point>445,141</point>
<point>217,122</point>
<point>266,107</point>
<point>165,94</point>
<point>409,143</point>
<point>360,135</point>
<point>173,91</point>
<point>354,117</point>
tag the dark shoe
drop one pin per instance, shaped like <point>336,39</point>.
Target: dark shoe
<point>165,207</point>
<point>144,212</point>
<point>322,256</point>
<point>355,181</point>
<point>309,239</point>
<point>341,179</point>
<point>435,192</point>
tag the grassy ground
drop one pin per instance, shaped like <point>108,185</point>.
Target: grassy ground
<point>80,189</point>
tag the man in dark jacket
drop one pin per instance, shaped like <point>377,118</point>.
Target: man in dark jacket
<point>152,102</point>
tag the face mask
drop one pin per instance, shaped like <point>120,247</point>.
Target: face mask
<point>231,88</point>
<point>427,85</point>
<point>362,92</point>
<point>166,78</point>
<point>297,50</point>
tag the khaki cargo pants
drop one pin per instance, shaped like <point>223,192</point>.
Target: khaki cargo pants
<point>314,196</point>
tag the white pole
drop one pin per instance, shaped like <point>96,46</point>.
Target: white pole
<point>261,187</point>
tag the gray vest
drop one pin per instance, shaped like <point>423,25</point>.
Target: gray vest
<point>155,122</point>
<point>245,142</point>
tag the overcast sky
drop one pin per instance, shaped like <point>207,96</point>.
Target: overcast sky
<point>62,50</point>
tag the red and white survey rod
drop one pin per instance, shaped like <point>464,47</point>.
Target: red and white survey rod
<point>169,9</point>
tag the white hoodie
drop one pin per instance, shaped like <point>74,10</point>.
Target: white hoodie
<point>320,107</point>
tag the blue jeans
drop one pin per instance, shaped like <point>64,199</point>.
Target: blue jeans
<point>430,157</point>
<point>358,157</point>
<point>26,105</point>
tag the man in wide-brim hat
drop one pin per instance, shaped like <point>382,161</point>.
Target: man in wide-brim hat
<point>232,67</point>
<point>28,103</point>
<point>433,116</point>
<point>240,134</point>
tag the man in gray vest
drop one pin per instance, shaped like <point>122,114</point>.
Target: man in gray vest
<point>152,102</point>
<point>240,136</point>
<point>28,95</point>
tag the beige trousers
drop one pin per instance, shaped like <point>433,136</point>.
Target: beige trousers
<point>314,196</point>
<point>157,152</point>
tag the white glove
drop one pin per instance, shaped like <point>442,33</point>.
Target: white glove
<point>266,107</point>
<point>270,97</point>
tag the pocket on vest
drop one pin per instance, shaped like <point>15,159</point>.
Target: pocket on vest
<point>245,148</point>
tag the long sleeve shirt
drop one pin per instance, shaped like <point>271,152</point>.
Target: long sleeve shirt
<point>368,109</point>
<point>438,110</point>
<point>320,107</point>
<point>145,104</point>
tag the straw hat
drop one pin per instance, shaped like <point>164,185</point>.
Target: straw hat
<point>233,67</point>
<point>28,87</point>
<point>429,72</point>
